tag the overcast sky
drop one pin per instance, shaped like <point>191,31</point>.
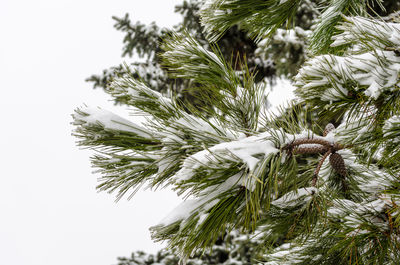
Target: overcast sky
<point>50,212</point>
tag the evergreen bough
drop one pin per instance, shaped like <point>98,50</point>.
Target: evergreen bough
<point>232,249</point>
<point>317,183</point>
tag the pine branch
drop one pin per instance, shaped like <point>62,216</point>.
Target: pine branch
<point>367,34</point>
<point>100,128</point>
<point>123,173</point>
<point>332,15</point>
<point>138,34</point>
<point>260,18</point>
<point>240,170</point>
<point>187,58</point>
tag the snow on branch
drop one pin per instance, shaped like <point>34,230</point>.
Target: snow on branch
<point>295,197</point>
<point>201,204</point>
<point>391,133</point>
<point>87,117</point>
<point>244,150</point>
<point>101,129</point>
<point>330,75</point>
<point>392,128</point>
<point>329,19</point>
<point>368,33</point>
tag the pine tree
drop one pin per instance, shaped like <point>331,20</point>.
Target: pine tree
<point>283,58</point>
<point>145,40</point>
<point>317,183</point>
<point>232,249</point>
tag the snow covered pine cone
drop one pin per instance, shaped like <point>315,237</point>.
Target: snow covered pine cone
<point>314,146</point>
<point>310,149</point>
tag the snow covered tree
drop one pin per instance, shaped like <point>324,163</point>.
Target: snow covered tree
<point>282,58</point>
<point>318,183</point>
<point>145,40</point>
<point>232,249</point>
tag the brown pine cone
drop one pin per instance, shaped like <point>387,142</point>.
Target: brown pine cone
<point>328,128</point>
<point>310,149</point>
<point>337,163</point>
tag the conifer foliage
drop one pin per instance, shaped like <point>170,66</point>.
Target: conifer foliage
<point>282,58</point>
<point>317,183</point>
<point>232,249</point>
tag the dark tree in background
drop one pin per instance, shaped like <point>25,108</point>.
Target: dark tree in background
<point>232,249</point>
<point>282,56</point>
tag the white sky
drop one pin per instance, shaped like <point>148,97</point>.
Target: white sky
<point>50,212</point>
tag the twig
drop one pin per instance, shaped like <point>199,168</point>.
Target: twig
<point>316,172</point>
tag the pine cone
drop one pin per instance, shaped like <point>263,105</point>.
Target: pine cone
<point>328,128</point>
<point>337,163</point>
<point>310,149</point>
